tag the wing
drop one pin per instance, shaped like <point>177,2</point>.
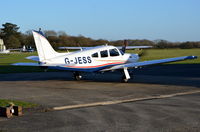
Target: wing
<point>119,47</point>
<point>75,48</point>
<point>151,62</point>
<point>135,47</point>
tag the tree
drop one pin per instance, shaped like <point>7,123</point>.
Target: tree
<point>61,33</point>
<point>13,42</point>
<point>9,29</point>
<point>50,33</point>
<point>10,35</point>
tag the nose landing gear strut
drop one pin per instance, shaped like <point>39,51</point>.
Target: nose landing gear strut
<point>126,75</point>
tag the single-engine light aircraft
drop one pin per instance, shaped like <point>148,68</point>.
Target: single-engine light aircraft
<point>90,59</point>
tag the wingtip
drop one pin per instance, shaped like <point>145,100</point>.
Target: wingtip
<point>192,57</point>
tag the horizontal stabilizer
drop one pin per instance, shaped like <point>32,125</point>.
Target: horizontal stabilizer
<point>35,64</point>
<point>26,64</point>
<point>34,58</point>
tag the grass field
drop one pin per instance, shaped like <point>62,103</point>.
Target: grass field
<point>150,54</point>
<point>4,102</point>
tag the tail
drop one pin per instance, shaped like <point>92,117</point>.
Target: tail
<point>44,49</point>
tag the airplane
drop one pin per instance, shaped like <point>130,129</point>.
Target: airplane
<point>23,49</point>
<point>26,49</point>
<point>90,59</point>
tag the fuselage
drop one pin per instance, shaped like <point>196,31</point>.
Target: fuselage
<point>93,59</point>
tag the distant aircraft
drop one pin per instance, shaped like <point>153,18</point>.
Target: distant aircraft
<point>24,49</point>
<point>90,59</point>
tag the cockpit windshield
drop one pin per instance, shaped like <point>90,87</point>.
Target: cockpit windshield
<point>121,52</point>
<point>95,55</point>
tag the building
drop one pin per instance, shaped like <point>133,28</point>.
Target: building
<point>3,47</point>
<point>1,44</point>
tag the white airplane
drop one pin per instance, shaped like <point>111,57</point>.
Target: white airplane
<point>90,59</point>
<point>24,49</point>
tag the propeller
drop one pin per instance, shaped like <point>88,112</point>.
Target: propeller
<point>142,52</point>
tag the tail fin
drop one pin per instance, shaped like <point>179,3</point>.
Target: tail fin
<point>44,49</point>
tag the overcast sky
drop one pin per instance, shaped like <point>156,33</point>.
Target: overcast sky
<point>172,20</point>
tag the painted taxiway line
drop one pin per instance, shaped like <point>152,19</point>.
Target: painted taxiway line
<point>122,101</point>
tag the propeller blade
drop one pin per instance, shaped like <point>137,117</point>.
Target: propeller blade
<point>124,46</point>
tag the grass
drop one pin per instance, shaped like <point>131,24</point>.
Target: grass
<point>4,102</point>
<point>150,54</point>
<point>7,59</point>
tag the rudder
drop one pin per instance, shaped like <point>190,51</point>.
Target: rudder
<point>44,49</point>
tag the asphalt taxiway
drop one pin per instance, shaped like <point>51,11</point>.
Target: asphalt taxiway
<point>151,112</point>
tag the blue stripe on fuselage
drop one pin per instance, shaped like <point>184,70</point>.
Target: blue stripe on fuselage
<point>95,69</point>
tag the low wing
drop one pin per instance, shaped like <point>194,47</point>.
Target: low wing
<point>151,62</point>
<point>119,47</point>
<point>75,48</point>
<point>135,47</point>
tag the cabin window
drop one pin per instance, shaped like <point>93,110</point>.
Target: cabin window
<point>104,53</point>
<point>95,55</point>
<point>114,52</point>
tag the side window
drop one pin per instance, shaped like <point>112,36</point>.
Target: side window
<point>114,52</point>
<point>95,55</point>
<point>104,53</point>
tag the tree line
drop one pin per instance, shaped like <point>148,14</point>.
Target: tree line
<point>15,39</point>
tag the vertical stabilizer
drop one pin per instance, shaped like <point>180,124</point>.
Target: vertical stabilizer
<point>44,49</point>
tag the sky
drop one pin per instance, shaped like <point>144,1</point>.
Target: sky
<point>172,20</point>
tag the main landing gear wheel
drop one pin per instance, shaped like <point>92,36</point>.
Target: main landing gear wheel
<point>77,76</point>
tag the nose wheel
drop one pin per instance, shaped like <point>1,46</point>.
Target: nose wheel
<point>77,76</point>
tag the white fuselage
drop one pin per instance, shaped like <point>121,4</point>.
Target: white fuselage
<point>93,59</point>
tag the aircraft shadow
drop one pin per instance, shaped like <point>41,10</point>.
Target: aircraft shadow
<point>176,74</point>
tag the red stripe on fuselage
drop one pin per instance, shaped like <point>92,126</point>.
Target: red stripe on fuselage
<point>95,66</point>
